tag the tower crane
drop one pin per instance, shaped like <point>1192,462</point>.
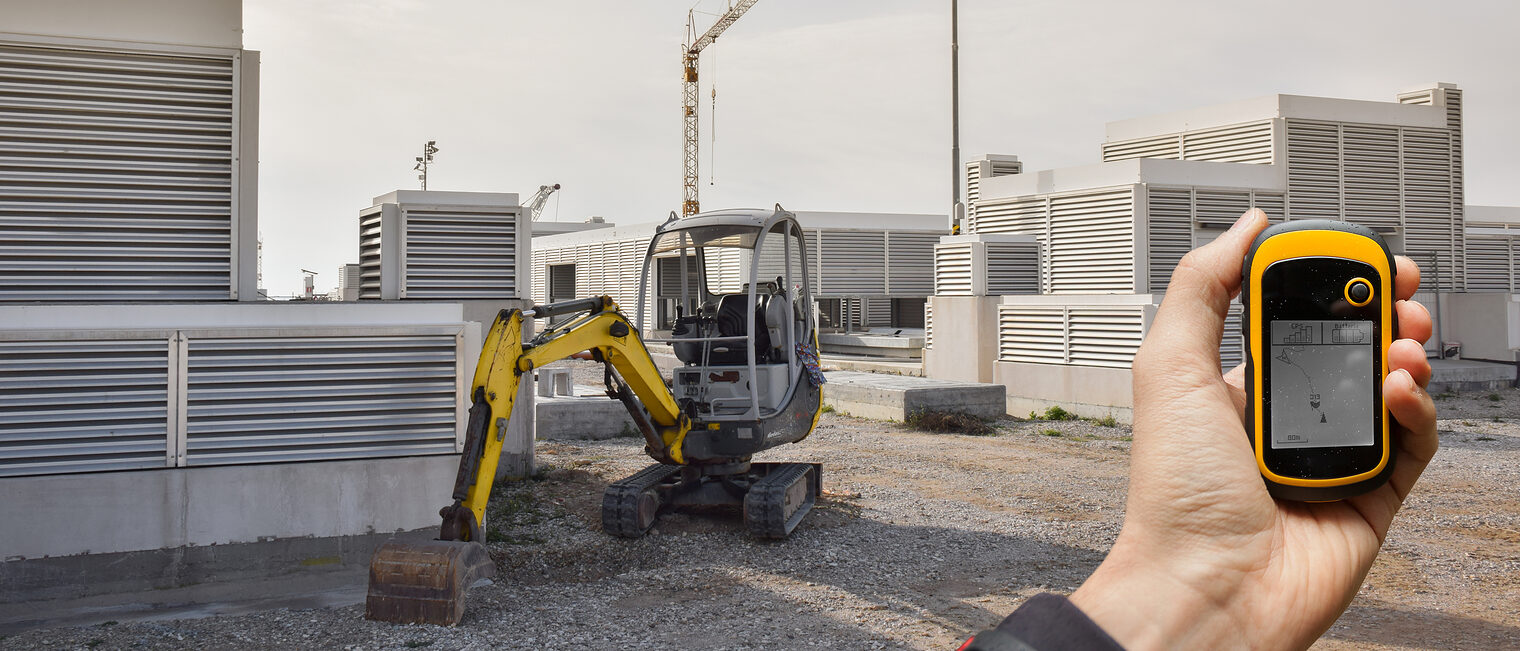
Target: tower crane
<point>689,54</point>
<point>535,204</point>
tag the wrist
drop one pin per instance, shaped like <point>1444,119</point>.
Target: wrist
<point>1147,603</point>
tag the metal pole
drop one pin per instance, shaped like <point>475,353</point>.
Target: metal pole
<point>1435,263</point>
<point>955,116</point>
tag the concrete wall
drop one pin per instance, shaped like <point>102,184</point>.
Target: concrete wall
<point>1487,325</point>
<point>965,338</point>
<point>153,509</point>
<point>1088,391</point>
<point>208,23</point>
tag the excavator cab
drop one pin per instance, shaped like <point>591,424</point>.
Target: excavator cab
<point>727,295</point>
<point>733,287</point>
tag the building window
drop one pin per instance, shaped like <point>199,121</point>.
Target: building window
<point>561,282</point>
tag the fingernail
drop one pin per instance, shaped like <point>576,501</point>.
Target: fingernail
<point>1244,218</point>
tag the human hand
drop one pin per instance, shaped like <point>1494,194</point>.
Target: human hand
<point>1206,558</point>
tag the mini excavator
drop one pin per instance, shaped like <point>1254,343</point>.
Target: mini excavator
<point>748,381</point>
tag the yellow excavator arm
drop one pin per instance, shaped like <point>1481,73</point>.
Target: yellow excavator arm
<point>607,335</point>
<point>427,581</point>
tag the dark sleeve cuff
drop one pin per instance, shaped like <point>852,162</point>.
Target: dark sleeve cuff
<point>1046,622</point>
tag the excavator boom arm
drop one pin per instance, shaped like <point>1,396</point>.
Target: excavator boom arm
<point>505,358</point>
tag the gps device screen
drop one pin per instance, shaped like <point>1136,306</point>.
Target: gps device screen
<point>1319,391</point>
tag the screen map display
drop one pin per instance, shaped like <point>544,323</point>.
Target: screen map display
<point>1321,387</point>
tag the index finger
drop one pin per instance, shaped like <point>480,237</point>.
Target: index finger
<point>1406,278</point>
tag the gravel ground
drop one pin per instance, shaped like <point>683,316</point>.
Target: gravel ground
<point>920,539</point>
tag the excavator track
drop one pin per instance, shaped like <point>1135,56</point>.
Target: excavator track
<point>776,504</point>
<point>631,505</point>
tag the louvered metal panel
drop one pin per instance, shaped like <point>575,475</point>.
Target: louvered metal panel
<point>1092,247</point>
<point>1167,146</point>
<point>1231,344</point>
<point>1024,216</point>
<point>1032,334</point>
<point>1220,208</point>
<point>928,325</point>
<point>1314,183</point>
<point>1453,100</point>
<point>1491,263</point>
<point>561,283</point>
<point>973,185</point>
<point>853,262</point>
<point>1103,336</point>
<point>1239,143</point>
<point>78,406</point>
<point>1012,268</point>
<point>116,175</point>
<point>910,263</point>
<point>1271,203</point>
<point>369,253</point>
<point>1429,224</point>
<point>1171,233</point>
<point>1370,164</point>
<point>456,253</point>
<point>953,269</point>
<point>279,399</point>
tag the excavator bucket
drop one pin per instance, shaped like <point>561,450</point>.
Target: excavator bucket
<point>424,582</point>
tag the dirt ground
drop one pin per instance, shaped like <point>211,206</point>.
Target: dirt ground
<point>920,540</point>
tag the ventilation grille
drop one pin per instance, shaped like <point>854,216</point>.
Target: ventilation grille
<point>1031,334</point>
<point>1371,171</point>
<point>973,183</point>
<point>369,254</point>
<point>952,269</point>
<point>1168,146</point>
<point>1491,263</point>
<point>1231,344</point>
<point>265,400</point>
<point>852,262</point>
<point>455,254</point>
<point>78,406</point>
<point>115,176</point>
<point>1314,184</point>
<point>1240,143</point>
<point>1105,336</point>
<point>1171,233</point>
<point>1019,216</point>
<point>624,262</point>
<point>910,263</point>
<point>1092,244</point>
<point>1013,268</point>
<point>928,324</point>
<point>1430,226</point>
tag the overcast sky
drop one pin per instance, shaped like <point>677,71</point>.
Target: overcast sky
<point>821,105</point>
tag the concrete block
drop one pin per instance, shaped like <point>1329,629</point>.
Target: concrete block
<point>894,397</point>
<point>879,344</point>
<point>555,382</point>
<point>1468,375</point>
<point>589,415</point>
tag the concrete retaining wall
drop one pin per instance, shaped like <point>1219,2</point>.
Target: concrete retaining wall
<point>890,397</point>
<point>112,512</point>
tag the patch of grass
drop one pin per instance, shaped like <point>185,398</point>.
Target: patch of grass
<point>1126,438</point>
<point>1494,397</point>
<point>1055,412</point>
<point>826,409</point>
<point>930,420</point>
<point>1051,432</point>
<point>1445,395</point>
<point>1486,438</point>
<point>1107,421</point>
<point>412,644</point>
<point>1498,419</point>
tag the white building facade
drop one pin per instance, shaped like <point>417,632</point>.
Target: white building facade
<point>1086,252</point>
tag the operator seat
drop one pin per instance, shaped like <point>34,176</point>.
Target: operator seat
<point>732,322</point>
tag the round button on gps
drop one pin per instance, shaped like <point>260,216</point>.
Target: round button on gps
<point>1358,292</point>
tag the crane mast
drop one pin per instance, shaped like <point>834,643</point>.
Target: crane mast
<point>535,204</point>
<point>689,55</point>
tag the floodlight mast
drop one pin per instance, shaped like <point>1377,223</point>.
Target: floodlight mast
<point>424,160</point>
<point>689,54</point>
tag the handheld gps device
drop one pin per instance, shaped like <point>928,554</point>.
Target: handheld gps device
<point>1318,299</point>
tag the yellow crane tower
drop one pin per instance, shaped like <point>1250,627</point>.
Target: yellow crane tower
<point>689,54</point>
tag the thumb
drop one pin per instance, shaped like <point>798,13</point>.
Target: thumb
<point>1185,334</point>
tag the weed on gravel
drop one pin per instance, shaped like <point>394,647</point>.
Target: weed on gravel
<point>929,420</point>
